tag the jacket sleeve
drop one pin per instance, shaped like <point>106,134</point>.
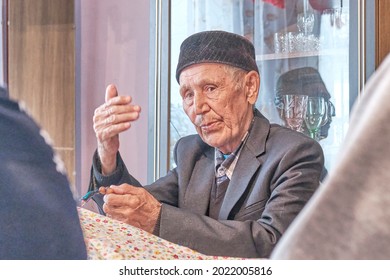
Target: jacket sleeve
<point>164,190</point>
<point>97,179</point>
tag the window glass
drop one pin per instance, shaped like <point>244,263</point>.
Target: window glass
<point>302,48</point>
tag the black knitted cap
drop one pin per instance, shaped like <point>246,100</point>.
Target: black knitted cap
<point>217,47</point>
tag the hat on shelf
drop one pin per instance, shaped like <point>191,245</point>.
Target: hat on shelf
<point>305,80</point>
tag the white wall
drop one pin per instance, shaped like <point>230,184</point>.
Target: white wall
<point>112,46</point>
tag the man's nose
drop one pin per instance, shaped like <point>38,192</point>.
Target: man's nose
<point>200,102</point>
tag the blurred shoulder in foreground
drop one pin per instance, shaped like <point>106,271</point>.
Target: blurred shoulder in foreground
<point>38,217</point>
<point>347,218</point>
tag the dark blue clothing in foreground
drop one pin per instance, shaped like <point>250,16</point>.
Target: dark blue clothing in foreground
<point>38,218</point>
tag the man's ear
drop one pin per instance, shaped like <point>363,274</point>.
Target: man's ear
<point>252,86</point>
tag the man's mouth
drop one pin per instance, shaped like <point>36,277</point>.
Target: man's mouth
<point>209,126</point>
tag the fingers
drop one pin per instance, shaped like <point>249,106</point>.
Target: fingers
<point>126,189</point>
<point>105,190</point>
<point>116,213</point>
<point>111,92</point>
<point>114,201</point>
<point>122,207</point>
<point>119,105</point>
<point>112,96</point>
<point>121,189</point>
<point>132,205</point>
<point>115,115</point>
<point>106,128</point>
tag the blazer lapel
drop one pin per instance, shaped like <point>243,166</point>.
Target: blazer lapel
<point>247,165</point>
<point>197,196</point>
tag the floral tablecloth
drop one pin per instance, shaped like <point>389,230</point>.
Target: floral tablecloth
<point>107,238</point>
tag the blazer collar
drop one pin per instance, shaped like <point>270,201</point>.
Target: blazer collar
<point>247,165</point>
<point>258,135</point>
<point>197,196</point>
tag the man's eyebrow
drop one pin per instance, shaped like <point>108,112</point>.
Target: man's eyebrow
<point>201,81</point>
<point>183,88</point>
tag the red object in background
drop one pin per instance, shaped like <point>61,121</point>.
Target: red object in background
<point>277,3</point>
<point>321,5</point>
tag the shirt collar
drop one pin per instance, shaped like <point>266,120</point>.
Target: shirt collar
<point>229,161</point>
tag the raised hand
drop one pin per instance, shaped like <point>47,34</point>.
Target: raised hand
<point>110,119</point>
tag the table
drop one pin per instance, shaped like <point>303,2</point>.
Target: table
<point>107,238</point>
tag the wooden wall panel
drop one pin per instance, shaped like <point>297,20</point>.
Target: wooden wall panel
<point>383,30</point>
<point>41,67</point>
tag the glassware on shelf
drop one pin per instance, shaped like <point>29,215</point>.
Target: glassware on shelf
<point>294,110</point>
<point>292,42</point>
<point>336,17</point>
<point>305,22</point>
<point>311,43</point>
<point>300,42</point>
<point>316,115</point>
<point>281,42</point>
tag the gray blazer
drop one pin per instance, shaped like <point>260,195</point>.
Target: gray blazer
<point>277,172</point>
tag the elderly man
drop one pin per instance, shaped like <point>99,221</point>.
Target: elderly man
<point>238,184</point>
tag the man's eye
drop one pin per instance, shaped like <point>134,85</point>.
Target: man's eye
<point>209,89</point>
<point>211,92</point>
<point>188,97</point>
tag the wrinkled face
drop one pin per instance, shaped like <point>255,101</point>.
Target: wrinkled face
<point>219,100</point>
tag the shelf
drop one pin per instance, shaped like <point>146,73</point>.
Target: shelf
<point>274,56</point>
